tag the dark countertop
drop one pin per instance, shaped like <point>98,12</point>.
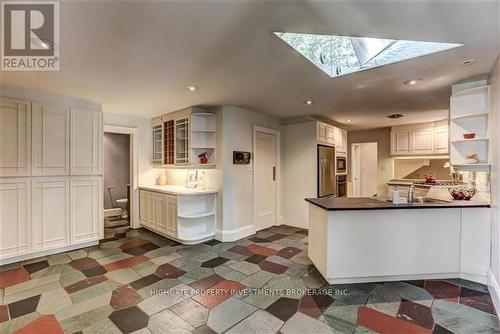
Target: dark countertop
<point>366,203</point>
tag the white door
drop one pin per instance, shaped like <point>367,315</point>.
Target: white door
<point>86,211</point>
<point>144,207</point>
<point>14,217</point>
<point>364,169</point>
<point>15,119</point>
<point>423,141</point>
<point>86,142</point>
<point>50,212</point>
<point>265,173</point>
<point>50,140</point>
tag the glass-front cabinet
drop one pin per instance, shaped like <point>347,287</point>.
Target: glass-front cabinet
<point>157,149</point>
<point>184,138</point>
<point>182,141</point>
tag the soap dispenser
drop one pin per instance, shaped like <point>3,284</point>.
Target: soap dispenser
<point>396,195</point>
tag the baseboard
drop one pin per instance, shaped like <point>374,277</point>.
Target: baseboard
<point>483,279</point>
<point>48,252</point>
<point>236,234</point>
<point>494,291</point>
<point>390,278</point>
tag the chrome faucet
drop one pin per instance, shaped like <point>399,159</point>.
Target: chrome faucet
<point>411,194</point>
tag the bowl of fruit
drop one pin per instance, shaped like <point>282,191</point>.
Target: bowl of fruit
<point>462,193</point>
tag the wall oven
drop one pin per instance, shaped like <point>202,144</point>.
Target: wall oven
<point>341,163</point>
<point>341,182</point>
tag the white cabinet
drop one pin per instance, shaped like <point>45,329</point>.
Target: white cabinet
<point>157,144</point>
<point>86,142</point>
<point>401,142</point>
<point>441,140</point>
<point>420,139</point>
<point>15,228</point>
<point>50,212</point>
<point>15,120</point>
<point>159,212</point>
<point>86,209</point>
<point>331,135</point>
<point>50,140</point>
<point>423,141</point>
<point>189,219</point>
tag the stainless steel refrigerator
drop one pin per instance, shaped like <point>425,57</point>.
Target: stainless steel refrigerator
<point>326,171</point>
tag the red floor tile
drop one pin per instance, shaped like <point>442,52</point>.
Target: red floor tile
<point>385,324</point>
<point>169,271</point>
<point>206,282</point>
<point>85,284</point>
<point>240,250</point>
<point>13,277</point>
<point>4,313</point>
<point>314,305</point>
<point>218,293</point>
<point>126,263</point>
<point>43,325</point>
<point>416,313</point>
<point>134,243</point>
<point>84,263</point>
<point>261,250</point>
<point>124,297</point>
<point>443,290</point>
<point>272,267</point>
<point>477,299</point>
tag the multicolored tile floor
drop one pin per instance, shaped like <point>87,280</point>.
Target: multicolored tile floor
<point>144,283</point>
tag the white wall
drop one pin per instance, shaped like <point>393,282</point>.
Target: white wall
<point>235,131</point>
<point>495,182</point>
<point>298,171</point>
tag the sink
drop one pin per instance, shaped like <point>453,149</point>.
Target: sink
<point>417,200</point>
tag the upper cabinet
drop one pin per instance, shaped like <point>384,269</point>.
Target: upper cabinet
<point>184,138</point>
<point>50,141</point>
<point>331,135</point>
<point>86,142</point>
<point>420,139</point>
<point>15,118</point>
<point>470,127</point>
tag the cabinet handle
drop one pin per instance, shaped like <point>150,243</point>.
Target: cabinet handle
<point>274,173</point>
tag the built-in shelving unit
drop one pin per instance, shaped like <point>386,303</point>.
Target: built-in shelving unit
<point>469,113</point>
<point>179,138</point>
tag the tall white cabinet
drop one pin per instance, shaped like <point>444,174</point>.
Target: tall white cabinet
<point>50,179</point>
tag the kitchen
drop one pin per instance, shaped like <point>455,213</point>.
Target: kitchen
<point>303,178</point>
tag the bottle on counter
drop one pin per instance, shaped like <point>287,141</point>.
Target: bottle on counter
<point>396,195</point>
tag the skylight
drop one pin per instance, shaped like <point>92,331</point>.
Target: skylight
<point>338,55</point>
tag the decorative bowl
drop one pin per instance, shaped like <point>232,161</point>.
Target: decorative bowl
<point>469,135</point>
<point>462,193</point>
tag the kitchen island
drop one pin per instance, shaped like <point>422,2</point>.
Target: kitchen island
<point>356,240</point>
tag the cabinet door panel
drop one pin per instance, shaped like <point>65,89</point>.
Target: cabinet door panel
<point>86,142</point>
<point>50,140</point>
<point>423,141</point>
<point>86,209</point>
<point>144,207</point>
<point>172,216</point>
<point>441,142</point>
<point>14,217</point>
<point>15,119</point>
<point>401,142</point>
<point>50,213</point>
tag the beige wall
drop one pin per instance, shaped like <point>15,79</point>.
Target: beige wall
<point>495,172</point>
<point>382,137</point>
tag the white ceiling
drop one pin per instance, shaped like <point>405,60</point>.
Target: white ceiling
<point>135,58</point>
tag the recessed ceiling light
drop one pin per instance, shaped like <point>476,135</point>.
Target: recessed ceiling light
<point>349,121</point>
<point>468,62</point>
<point>413,82</point>
<point>395,116</point>
<point>191,88</point>
<point>308,102</point>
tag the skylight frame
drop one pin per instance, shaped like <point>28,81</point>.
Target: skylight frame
<point>435,47</point>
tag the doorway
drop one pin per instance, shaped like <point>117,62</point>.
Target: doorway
<point>364,169</point>
<point>266,177</point>
<point>120,181</point>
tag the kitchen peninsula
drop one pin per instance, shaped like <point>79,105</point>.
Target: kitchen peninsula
<point>355,240</point>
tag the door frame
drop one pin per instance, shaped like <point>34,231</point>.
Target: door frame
<point>134,169</point>
<point>257,128</point>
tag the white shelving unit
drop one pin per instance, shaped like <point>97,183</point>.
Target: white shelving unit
<point>469,113</point>
<point>203,137</point>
